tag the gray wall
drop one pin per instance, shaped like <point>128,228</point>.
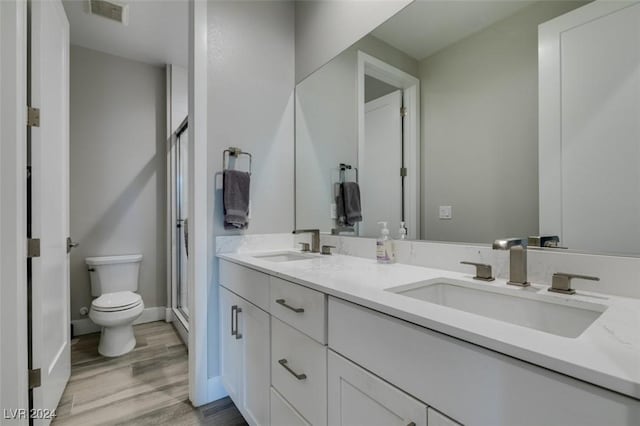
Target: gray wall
<point>480,131</point>
<point>251,84</point>
<point>327,127</point>
<point>117,169</point>
<point>325,28</point>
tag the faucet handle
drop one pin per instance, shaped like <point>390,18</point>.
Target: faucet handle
<point>327,250</point>
<point>561,282</point>
<point>305,247</point>
<point>483,271</point>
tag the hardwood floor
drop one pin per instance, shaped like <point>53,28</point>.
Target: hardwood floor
<point>147,386</point>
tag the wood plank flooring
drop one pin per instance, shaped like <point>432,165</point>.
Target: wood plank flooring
<point>147,386</point>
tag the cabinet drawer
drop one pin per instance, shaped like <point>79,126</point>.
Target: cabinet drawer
<point>283,414</point>
<point>300,307</point>
<point>247,283</point>
<point>299,371</point>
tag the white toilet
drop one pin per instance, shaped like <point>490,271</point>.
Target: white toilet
<point>114,280</point>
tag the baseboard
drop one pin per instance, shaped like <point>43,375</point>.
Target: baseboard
<point>86,326</point>
<point>168,315</point>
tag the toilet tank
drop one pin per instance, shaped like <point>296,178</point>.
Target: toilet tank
<point>113,273</point>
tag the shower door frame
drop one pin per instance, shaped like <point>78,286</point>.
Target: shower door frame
<point>180,320</point>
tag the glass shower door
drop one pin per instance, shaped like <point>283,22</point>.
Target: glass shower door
<point>182,221</point>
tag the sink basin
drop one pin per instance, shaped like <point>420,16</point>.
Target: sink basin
<point>283,257</point>
<point>519,307</point>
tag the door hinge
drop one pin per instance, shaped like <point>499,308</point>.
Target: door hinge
<point>33,117</point>
<point>35,378</point>
<point>403,171</point>
<point>33,247</point>
<point>403,111</point>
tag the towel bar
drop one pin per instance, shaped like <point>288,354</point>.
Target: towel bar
<point>234,152</point>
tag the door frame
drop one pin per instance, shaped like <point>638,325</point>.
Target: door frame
<point>14,387</point>
<point>410,85</point>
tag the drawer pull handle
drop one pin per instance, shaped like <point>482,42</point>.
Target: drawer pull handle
<point>238,334</point>
<point>283,303</point>
<point>283,362</point>
<point>233,318</point>
<point>411,424</point>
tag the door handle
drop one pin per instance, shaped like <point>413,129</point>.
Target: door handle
<point>71,244</point>
<point>238,334</point>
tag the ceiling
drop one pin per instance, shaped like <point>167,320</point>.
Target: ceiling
<point>157,32</point>
<point>426,26</point>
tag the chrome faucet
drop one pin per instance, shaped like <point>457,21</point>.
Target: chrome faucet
<point>517,259</point>
<point>315,238</point>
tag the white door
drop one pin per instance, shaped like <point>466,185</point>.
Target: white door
<point>380,160</point>
<point>230,345</point>
<point>50,201</point>
<point>589,127</point>
<point>254,329</point>
<point>357,397</point>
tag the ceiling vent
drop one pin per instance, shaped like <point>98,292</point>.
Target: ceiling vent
<point>110,10</point>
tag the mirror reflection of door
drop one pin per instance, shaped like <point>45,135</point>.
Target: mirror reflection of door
<point>381,158</point>
<point>182,221</point>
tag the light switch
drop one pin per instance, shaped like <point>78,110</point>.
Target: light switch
<point>445,212</point>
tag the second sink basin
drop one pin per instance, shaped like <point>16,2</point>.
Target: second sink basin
<point>540,312</point>
<point>283,257</point>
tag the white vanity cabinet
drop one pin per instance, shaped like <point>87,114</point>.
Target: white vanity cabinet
<point>473,385</point>
<point>244,360</point>
<point>357,397</point>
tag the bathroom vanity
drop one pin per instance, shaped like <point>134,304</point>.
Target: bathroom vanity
<point>341,340</point>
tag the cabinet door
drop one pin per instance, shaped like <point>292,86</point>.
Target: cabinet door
<point>230,346</point>
<point>357,397</point>
<point>253,325</point>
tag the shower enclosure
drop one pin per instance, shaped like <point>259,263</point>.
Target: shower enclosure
<point>179,224</point>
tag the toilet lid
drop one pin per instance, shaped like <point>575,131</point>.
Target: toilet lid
<point>117,301</point>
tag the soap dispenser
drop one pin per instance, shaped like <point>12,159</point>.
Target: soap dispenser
<point>385,252</point>
<point>402,233</point>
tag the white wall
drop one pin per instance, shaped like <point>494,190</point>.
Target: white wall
<point>327,127</point>
<point>250,105</point>
<point>480,131</point>
<point>177,87</point>
<point>117,169</point>
<point>325,28</point>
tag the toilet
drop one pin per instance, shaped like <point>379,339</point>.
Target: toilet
<point>114,281</point>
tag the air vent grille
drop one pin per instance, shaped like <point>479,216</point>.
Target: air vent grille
<point>109,10</point>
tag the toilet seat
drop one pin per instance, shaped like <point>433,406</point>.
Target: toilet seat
<point>118,301</point>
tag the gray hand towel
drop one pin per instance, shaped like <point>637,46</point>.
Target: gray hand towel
<point>235,189</point>
<point>341,218</point>
<point>351,199</point>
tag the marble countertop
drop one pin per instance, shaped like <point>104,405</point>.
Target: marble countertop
<point>606,354</point>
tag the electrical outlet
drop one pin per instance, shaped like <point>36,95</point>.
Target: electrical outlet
<point>445,212</point>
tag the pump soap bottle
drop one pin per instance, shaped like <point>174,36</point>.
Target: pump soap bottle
<point>385,252</point>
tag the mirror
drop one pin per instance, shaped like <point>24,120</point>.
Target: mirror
<point>435,115</point>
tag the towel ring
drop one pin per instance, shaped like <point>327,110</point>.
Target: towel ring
<point>234,152</point>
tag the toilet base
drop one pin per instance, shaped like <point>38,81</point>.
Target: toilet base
<point>116,341</point>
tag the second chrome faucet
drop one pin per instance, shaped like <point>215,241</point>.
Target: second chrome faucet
<point>517,259</point>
